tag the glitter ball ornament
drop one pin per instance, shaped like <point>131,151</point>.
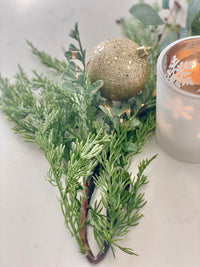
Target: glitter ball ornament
<point>122,65</point>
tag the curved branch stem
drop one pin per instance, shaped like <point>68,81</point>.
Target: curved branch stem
<point>100,256</point>
<point>88,190</point>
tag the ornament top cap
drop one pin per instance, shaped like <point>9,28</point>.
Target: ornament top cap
<point>143,51</point>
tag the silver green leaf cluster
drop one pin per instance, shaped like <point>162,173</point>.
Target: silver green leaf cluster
<point>153,30</point>
<point>169,29</point>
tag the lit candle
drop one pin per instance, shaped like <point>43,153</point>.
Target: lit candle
<point>178,99</point>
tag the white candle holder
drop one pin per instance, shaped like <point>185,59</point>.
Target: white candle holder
<point>178,99</point>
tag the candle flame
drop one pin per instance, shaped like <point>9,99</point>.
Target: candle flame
<point>194,63</point>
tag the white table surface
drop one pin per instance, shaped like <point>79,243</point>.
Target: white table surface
<point>32,230</point>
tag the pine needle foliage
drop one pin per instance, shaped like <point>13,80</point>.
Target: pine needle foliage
<point>87,147</point>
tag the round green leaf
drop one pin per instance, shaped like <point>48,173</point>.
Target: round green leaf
<point>167,40</point>
<point>146,14</point>
<point>73,55</point>
<point>74,66</point>
<point>70,87</point>
<point>193,10</point>
<point>196,25</point>
<point>73,47</point>
<point>95,87</point>
<point>165,4</point>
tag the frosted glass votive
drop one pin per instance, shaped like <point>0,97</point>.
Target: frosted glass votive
<point>178,99</point>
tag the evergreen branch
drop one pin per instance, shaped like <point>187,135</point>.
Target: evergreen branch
<point>47,60</point>
<point>83,152</point>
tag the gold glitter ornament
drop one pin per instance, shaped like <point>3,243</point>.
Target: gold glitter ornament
<point>122,65</point>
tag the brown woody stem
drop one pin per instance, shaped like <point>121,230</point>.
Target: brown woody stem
<point>88,189</point>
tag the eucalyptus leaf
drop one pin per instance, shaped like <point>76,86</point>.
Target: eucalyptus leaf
<point>165,4</point>
<point>70,87</point>
<point>196,25</point>
<point>106,110</point>
<point>167,40</point>
<point>74,66</point>
<point>95,87</point>
<point>69,76</point>
<point>81,78</point>
<point>183,32</point>
<point>115,111</point>
<point>73,47</point>
<point>73,55</point>
<point>146,14</point>
<point>73,35</point>
<point>193,10</point>
<point>76,29</point>
<point>68,55</point>
<point>110,111</point>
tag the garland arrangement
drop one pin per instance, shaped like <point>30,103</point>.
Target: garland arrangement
<point>88,142</point>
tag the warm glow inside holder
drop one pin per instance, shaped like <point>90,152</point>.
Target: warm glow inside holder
<point>178,99</point>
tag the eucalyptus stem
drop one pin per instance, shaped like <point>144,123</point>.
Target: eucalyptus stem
<point>174,21</point>
<point>170,32</point>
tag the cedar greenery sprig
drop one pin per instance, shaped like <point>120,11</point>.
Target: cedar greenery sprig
<point>85,153</point>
